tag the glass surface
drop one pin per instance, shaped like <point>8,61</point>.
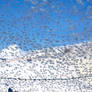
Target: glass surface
<point>46,45</point>
<point>37,24</point>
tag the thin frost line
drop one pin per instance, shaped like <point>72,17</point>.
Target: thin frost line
<point>47,79</point>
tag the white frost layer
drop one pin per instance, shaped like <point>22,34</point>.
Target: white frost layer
<point>13,51</point>
<point>63,63</point>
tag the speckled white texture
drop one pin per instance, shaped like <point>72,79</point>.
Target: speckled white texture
<point>47,64</point>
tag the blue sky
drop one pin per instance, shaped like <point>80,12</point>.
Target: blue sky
<point>36,24</point>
